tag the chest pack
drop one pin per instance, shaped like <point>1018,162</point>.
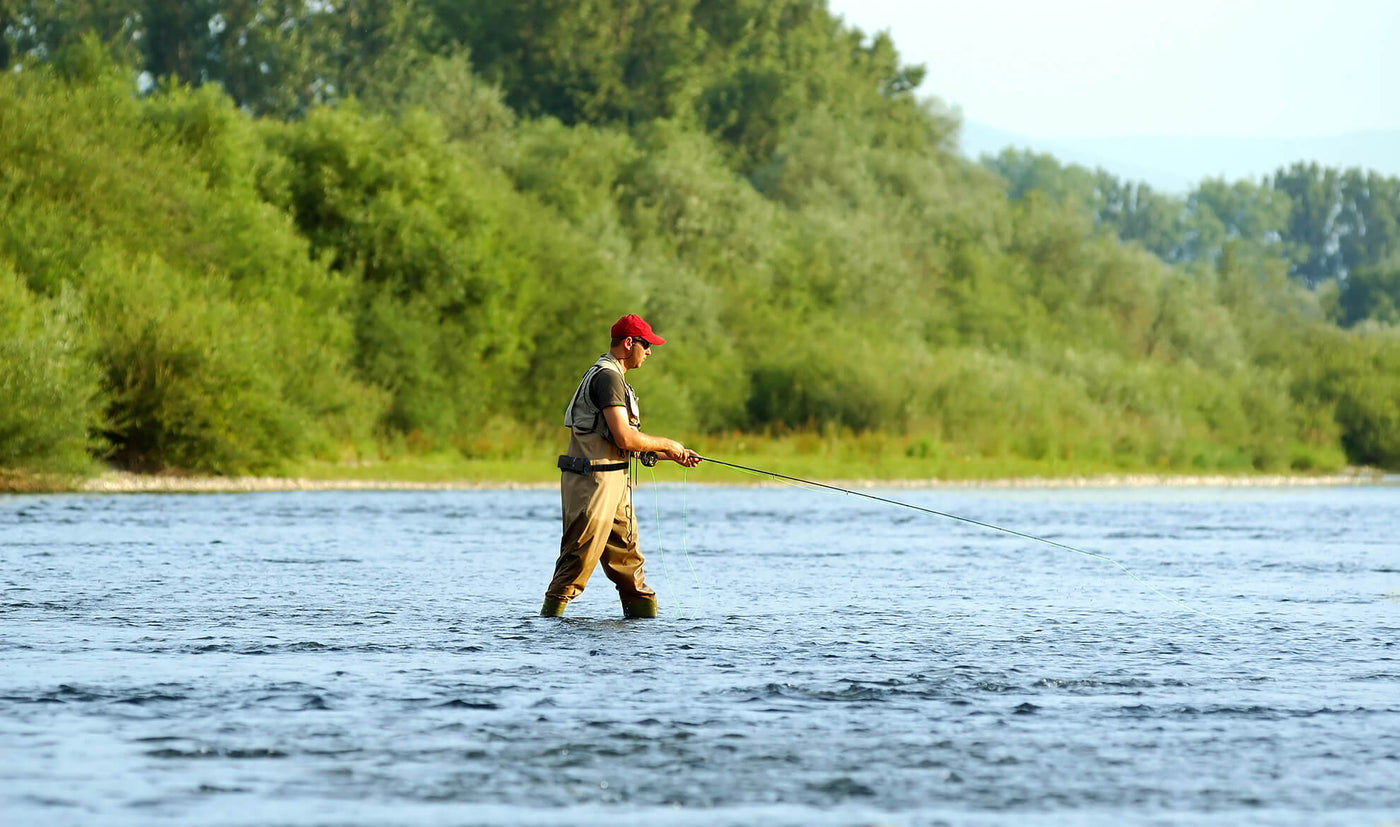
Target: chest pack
<point>583,414</point>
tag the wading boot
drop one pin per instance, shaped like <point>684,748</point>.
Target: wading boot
<point>553,607</point>
<point>639,607</point>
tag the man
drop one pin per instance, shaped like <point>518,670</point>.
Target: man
<point>595,486</point>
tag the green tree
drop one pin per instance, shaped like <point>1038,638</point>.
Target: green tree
<point>429,261</point>
<point>1133,212</point>
<point>50,398</point>
<point>147,213</point>
<point>1368,223</point>
<point>1242,213</point>
<point>1358,377</point>
<point>1315,195</point>
<point>626,61</point>
<point>1372,293</point>
<point>35,31</point>
<point>193,384</point>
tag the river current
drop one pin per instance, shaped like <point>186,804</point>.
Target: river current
<point>375,658</point>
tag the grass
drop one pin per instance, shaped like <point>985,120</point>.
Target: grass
<point>529,459</point>
<point>809,455</point>
<point>19,481</point>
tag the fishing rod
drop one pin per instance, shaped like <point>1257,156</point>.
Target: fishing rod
<point>969,521</point>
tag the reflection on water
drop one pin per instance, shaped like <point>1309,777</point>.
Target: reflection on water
<point>374,658</point>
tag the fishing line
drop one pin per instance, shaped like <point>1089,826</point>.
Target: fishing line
<point>685,546</point>
<point>811,484</point>
<point>660,551</point>
<point>685,554</point>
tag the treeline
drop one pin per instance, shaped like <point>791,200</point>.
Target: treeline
<point>322,228</point>
<point>1336,229</point>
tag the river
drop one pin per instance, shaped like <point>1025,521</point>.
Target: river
<point>374,658</point>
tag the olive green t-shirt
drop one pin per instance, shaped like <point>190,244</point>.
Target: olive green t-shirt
<point>607,389</point>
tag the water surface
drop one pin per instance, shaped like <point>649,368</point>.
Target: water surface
<point>374,658</point>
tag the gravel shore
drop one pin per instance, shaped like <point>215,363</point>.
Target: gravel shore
<point>119,482</point>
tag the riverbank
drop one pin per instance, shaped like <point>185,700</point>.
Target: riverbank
<point>115,482</point>
<point>866,461</point>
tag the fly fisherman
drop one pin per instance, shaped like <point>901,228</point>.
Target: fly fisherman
<point>596,489</point>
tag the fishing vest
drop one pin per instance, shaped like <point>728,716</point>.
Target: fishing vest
<point>584,416</point>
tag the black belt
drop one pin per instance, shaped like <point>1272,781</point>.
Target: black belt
<point>579,465</point>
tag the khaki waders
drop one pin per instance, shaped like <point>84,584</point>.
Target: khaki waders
<point>600,527</point>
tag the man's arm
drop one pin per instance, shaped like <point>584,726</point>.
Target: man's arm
<point>630,439</point>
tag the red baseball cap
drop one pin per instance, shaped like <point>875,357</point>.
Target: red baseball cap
<point>635,326</point>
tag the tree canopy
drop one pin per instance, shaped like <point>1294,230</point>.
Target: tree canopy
<point>279,229</point>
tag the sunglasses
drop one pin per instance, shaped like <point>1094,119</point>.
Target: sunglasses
<point>643,342</point>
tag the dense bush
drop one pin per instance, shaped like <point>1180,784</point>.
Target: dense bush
<point>192,383</point>
<point>431,265</point>
<point>49,390</point>
<point>223,344</point>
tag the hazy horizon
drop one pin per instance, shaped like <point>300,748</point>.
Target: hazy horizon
<point>1178,163</point>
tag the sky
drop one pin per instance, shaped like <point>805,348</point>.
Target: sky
<point>1118,68</point>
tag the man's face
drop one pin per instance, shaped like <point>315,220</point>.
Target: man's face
<point>637,353</point>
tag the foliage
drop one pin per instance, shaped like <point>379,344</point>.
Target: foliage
<point>1326,223</point>
<point>1372,293</point>
<point>146,215</point>
<point>49,393</point>
<point>353,229</point>
<point>464,285</point>
<point>192,386</point>
<point>1357,378</point>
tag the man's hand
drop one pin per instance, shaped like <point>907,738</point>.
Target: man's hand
<point>682,455</point>
<point>630,439</point>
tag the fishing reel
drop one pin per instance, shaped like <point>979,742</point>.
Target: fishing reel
<point>647,458</point>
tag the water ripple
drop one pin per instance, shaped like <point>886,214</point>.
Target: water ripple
<point>361,658</point>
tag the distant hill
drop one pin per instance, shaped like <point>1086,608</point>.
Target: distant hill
<point>1178,164</point>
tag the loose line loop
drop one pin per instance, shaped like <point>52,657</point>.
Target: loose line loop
<point>685,553</point>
